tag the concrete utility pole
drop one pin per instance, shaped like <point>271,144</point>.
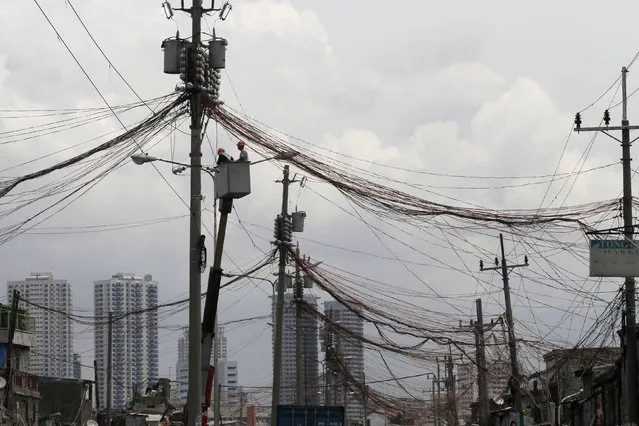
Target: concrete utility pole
<point>439,390</point>
<point>482,372</point>
<point>8,393</point>
<point>194,408</point>
<point>328,360</point>
<point>631,336</point>
<point>299,300</point>
<point>504,269</point>
<point>365,400</point>
<point>452,390</point>
<point>97,386</point>
<point>199,69</point>
<point>217,389</point>
<point>284,238</point>
<point>109,372</point>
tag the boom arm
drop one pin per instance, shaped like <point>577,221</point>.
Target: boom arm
<point>210,309</point>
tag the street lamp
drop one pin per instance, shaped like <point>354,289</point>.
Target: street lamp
<point>271,282</point>
<point>140,159</point>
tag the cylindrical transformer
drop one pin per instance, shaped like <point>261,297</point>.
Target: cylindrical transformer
<point>172,47</point>
<point>308,282</point>
<point>298,221</point>
<point>217,53</point>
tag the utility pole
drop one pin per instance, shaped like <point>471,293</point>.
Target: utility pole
<point>631,336</point>
<point>284,238</point>
<point>452,394</point>
<point>199,68</point>
<point>97,386</point>
<point>482,372</point>
<point>504,269</point>
<point>365,400</point>
<point>328,360</point>
<point>299,300</point>
<point>109,372</point>
<point>8,397</point>
<point>194,408</point>
<point>437,412</point>
<point>217,389</point>
<point>432,395</point>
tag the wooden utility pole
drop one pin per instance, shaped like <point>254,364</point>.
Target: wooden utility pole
<point>631,336</point>
<point>109,372</point>
<point>8,397</point>
<point>482,372</point>
<point>504,269</point>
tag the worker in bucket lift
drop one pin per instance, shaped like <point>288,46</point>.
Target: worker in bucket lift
<point>243,152</point>
<point>222,156</point>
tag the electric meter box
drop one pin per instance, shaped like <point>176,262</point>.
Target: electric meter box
<point>233,180</point>
<point>217,53</point>
<point>298,221</point>
<point>172,47</point>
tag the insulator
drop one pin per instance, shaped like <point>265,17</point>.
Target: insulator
<point>578,120</point>
<point>289,231</point>
<point>606,117</point>
<point>277,228</point>
<point>286,233</point>
<point>283,236</point>
<point>299,290</point>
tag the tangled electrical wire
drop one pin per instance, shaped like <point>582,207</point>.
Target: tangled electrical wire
<point>85,170</point>
<point>389,202</point>
<point>393,318</point>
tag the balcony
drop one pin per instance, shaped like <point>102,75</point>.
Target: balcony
<point>24,384</point>
<point>25,327</point>
<point>25,381</point>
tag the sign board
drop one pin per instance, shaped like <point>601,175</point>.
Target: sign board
<point>614,258</point>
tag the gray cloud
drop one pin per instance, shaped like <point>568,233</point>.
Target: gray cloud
<point>489,91</point>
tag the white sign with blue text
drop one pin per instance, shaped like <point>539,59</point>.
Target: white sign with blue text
<point>614,258</point>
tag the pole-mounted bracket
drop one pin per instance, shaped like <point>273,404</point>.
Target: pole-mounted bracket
<point>226,205</point>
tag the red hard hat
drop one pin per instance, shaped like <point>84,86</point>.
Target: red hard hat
<point>220,150</point>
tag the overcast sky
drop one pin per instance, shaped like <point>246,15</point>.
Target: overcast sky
<point>464,88</point>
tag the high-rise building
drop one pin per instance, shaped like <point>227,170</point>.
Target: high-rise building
<point>352,353</point>
<point>77,366</point>
<point>227,381</point>
<point>310,350</point>
<point>182,366</point>
<point>135,335</point>
<point>51,311</point>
